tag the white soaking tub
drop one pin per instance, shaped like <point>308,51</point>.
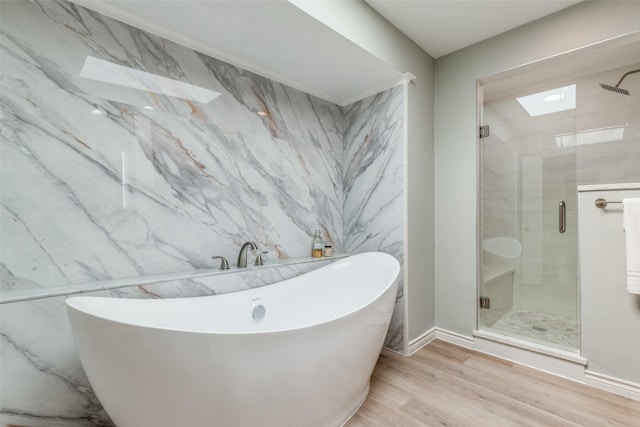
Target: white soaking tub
<point>295,353</point>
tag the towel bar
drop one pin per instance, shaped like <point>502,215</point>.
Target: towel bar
<point>602,203</point>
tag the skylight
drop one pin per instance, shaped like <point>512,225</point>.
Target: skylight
<point>549,101</point>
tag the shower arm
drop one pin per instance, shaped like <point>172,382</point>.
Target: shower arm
<point>626,74</point>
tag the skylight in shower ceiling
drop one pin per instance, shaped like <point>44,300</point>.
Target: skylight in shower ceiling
<point>549,101</point>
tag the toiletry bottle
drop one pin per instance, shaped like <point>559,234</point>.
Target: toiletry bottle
<point>318,245</point>
<point>328,250</point>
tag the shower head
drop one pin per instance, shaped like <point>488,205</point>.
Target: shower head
<point>617,88</point>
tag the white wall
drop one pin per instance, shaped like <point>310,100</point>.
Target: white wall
<point>456,128</point>
<point>358,22</point>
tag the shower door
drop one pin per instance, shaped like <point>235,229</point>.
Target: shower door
<point>528,235</point>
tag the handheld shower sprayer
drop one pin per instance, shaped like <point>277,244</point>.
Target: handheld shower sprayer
<point>616,88</point>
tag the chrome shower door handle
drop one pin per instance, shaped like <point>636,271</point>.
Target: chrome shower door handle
<point>562,217</point>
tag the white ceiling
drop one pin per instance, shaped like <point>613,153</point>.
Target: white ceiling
<point>440,27</point>
<point>278,40</point>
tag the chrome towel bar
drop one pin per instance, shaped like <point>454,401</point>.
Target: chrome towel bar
<point>602,203</point>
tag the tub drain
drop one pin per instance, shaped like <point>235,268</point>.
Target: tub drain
<point>258,312</point>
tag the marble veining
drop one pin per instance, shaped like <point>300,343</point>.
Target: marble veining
<point>101,183</point>
<point>374,186</point>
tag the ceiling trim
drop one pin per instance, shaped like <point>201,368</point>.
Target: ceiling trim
<point>406,77</point>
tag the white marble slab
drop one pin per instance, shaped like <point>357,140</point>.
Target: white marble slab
<point>134,192</point>
<point>102,194</point>
<point>374,186</point>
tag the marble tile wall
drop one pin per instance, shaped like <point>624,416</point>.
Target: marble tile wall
<point>96,185</point>
<point>101,180</point>
<point>374,186</point>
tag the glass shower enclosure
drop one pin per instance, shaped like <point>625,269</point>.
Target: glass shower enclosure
<point>527,215</point>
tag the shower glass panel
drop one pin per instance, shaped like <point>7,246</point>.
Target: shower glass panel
<point>528,217</point>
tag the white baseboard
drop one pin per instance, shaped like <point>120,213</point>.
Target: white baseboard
<point>455,338</point>
<point>441,334</point>
<point>613,385</point>
<point>424,339</point>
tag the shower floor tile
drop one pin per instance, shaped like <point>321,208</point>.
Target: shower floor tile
<point>546,328</point>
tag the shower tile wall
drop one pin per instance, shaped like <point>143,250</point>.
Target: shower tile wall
<point>374,185</point>
<point>548,277</point>
<point>500,188</point>
<point>608,125</point>
<point>100,181</point>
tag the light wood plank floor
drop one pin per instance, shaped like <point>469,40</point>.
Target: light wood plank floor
<point>443,384</point>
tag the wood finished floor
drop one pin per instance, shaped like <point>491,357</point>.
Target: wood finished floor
<point>446,385</point>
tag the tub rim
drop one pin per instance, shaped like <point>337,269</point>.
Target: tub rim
<point>71,307</point>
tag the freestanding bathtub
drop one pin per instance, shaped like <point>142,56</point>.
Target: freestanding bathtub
<point>296,353</point>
